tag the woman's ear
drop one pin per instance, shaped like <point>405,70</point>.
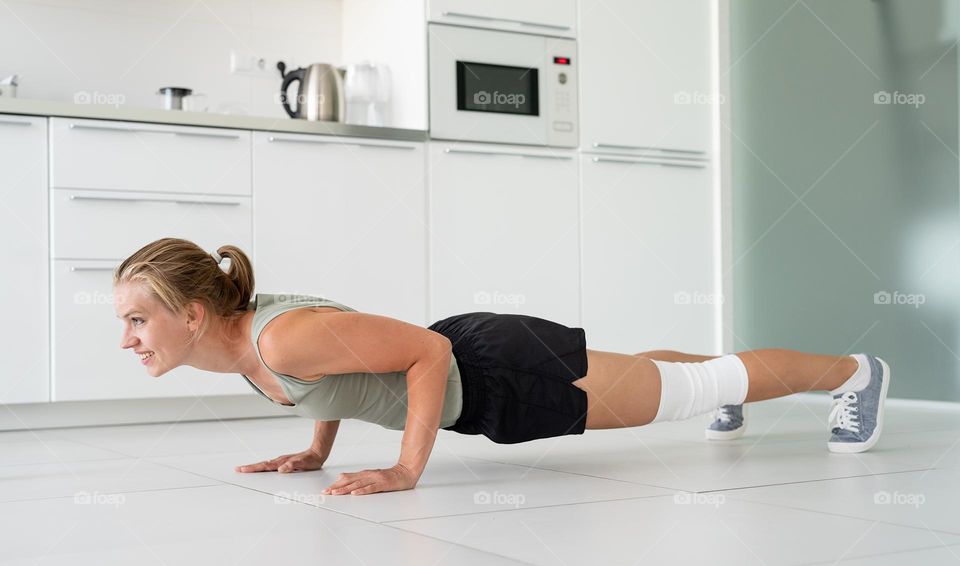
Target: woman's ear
<point>195,313</point>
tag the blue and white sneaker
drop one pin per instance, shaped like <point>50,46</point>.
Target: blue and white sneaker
<point>728,423</point>
<point>857,416</point>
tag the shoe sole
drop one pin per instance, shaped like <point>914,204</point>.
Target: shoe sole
<point>725,434</point>
<point>857,447</point>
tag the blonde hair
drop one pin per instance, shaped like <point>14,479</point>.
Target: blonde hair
<point>177,272</point>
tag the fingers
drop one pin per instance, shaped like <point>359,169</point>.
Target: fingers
<point>265,466</point>
<point>258,467</point>
<point>353,483</point>
<point>292,465</point>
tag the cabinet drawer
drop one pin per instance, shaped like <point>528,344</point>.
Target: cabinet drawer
<point>114,224</point>
<point>88,360</point>
<point>100,154</point>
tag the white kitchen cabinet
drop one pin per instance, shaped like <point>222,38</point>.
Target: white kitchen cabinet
<point>504,231</point>
<point>108,155</point>
<point>89,362</point>
<point>645,76</point>
<point>344,219</point>
<point>24,334</point>
<point>648,261</point>
<point>115,187</point>
<point>546,17</point>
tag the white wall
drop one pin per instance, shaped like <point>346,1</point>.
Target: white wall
<point>393,32</point>
<point>133,47</point>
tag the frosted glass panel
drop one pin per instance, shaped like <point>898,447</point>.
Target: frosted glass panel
<point>851,107</point>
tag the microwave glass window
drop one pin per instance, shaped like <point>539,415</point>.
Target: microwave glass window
<point>497,88</point>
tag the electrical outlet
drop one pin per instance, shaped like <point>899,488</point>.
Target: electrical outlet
<point>246,63</point>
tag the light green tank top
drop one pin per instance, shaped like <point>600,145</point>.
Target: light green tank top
<point>379,398</point>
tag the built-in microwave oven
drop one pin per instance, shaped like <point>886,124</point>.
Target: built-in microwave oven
<point>496,86</point>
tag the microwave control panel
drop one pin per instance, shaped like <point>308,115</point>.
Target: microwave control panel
<point>560,74</point>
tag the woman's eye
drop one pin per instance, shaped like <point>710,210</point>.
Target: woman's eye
<point>136,319</point>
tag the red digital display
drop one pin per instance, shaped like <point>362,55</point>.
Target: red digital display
<point>561,60</point>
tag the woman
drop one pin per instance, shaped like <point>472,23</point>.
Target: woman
<point>509,377</point>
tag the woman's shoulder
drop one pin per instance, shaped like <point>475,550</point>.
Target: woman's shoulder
<point>281,302</point>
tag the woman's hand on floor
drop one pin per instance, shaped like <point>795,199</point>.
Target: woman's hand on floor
<point>397,478</point>
<point>304,461</point>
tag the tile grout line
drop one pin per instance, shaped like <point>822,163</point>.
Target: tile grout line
<point>882,554</point>
<point>835,514</point>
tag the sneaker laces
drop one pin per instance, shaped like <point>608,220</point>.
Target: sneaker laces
<point>844,412</point>
<point>723,414</point>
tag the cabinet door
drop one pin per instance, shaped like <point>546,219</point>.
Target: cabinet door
<point>88,361</point>
<point>504,230</point>
<point>547,17</point>
<point>344,219</point>
<point>645,74</point>
<point>648,256</point>
<point>24,342</point>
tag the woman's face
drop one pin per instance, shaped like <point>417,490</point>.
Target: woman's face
<point>150,328</point>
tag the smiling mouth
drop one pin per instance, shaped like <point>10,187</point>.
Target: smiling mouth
<point>146,356</point>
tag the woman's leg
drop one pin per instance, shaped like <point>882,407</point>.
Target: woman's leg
<point>624,390</point>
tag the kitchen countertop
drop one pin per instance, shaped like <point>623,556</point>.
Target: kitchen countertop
<point>33,107</point>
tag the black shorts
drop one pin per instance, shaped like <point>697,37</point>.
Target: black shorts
<point>517,373</point>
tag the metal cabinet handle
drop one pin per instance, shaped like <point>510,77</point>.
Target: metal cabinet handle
<point>90,268</point>
<point>599,145</point>
<point>15,122</point>
<point>146,199</point>
<point>509,20</point>
<point>512,154</point>
<point>690,165</point>
<point>336,142</point>
<point>74,126</point>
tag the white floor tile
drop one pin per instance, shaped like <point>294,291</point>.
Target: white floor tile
<point>449,486</point>
<point>937,556</point>
<point>48,449</point>
<point>168,439</point>
<point>168,493</point>
<point>929,499</point>
<point>701,529</point>
<point>90,479</point>
<point>701,466</point>
<point>210,525</point>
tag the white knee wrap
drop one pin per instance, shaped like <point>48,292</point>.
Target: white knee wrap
<point>688,389</point>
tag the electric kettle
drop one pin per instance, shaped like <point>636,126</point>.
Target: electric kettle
<point>320,94</point>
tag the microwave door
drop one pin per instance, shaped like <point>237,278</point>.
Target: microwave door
<point>486,86</point>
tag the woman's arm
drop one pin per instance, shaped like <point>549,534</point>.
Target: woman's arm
<point>426,387</point>
<point>311,343</point>
<point>324,433</point>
